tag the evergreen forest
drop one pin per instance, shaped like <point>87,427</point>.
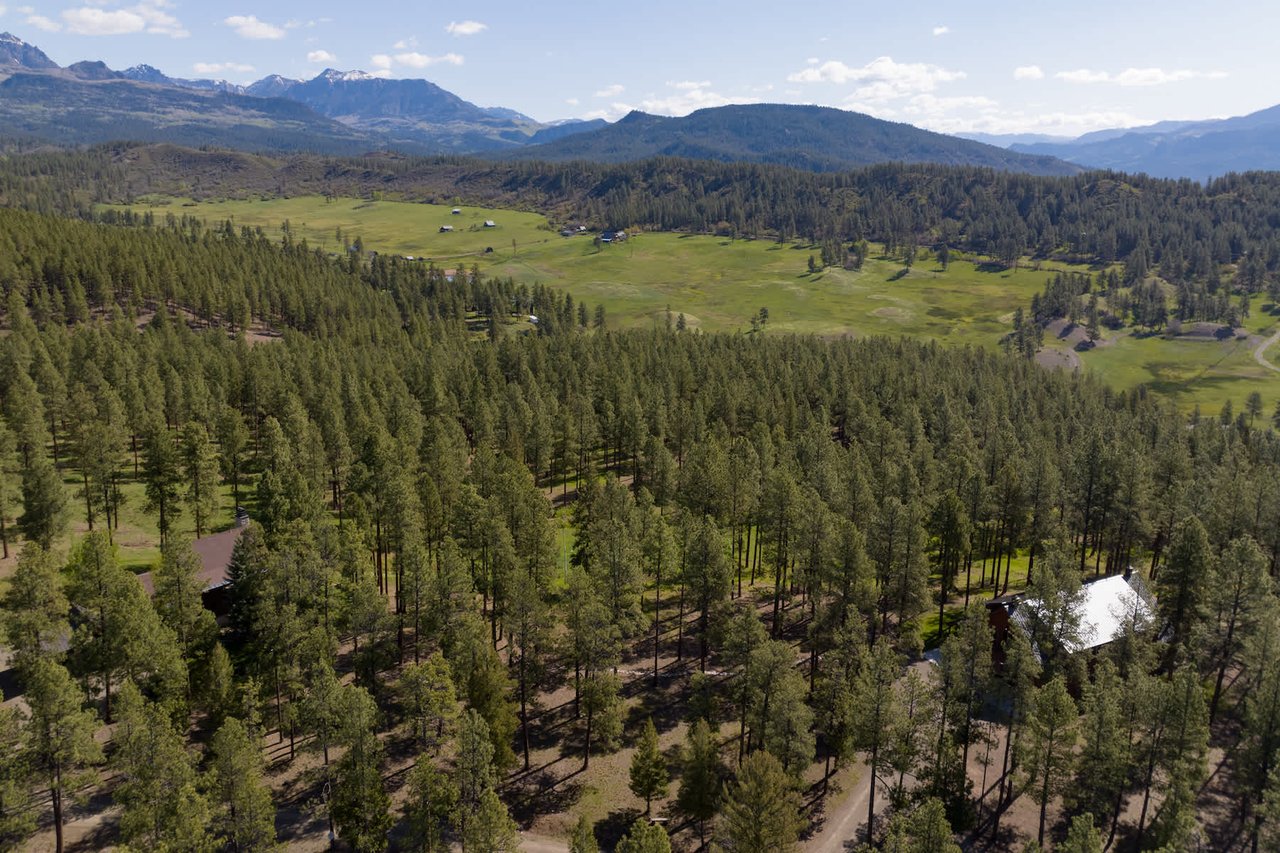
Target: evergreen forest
<point>510,584</point>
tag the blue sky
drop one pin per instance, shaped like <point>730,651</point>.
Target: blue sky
<point>1056,67</point>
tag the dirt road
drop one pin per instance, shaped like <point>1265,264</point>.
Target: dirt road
<point>846,817</point>
<point>1260,354</point>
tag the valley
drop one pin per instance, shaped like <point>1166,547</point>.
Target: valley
<point>719,284</point>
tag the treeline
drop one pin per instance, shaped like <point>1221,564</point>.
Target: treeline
<point>1184,228</point>
<point>809,509</point>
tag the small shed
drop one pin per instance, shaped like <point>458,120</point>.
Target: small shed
<point>456,211</point>
<point>445,229</point>
<point>489,223</point>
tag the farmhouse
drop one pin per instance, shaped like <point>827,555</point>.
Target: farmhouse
<point>1103,610</point>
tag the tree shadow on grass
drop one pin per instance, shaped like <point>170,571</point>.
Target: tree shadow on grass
<point>543,792</point>
<point>610,830</point>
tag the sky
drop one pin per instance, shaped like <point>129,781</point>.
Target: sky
<point>1038,66</point>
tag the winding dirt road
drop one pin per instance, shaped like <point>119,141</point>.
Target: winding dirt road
<point>1260,354</point>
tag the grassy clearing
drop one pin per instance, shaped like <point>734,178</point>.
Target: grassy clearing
<point>138,536</point>
<point>1192,371</point>
<point>719,284</point>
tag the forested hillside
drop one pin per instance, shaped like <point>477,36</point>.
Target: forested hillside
<point>486,554</point>
<point>1100,217</point>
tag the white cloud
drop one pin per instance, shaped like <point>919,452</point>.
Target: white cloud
<point>1138,76</point>
<point>3,10</point>
<point>465,28</point>
<point>682,98</point>
<point>40,22</point>
<point>221,67</point>
<point>1158,76</point>
<point>321,56</point>
<point>249,27</point>
<point>573,102</point>
<point>881,79</point>
<point>611,91</point>
<point>941,31</point>
<point>422,60</point>
<point>381,61</point>
<point>1083,75</point>
<point>686,100</point>
<point>406,44</point>
<point>1028,72</point>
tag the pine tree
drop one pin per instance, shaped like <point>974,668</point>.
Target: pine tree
<point>246,816</point>
<point>430,807</point>
<point>1185,748</point>
<point>360,805</point>
<point>217,692</point>
<point>17,817</point>
<point>490,829</point>
<point>162,476</point>
<point>200,469</point>
<point>162,808</point>
<point>429,700</point>
<point>1183,585</point>
<point>1049,741</point>
<point>783,721</point>
<point>44,502</point>
<point>1082,837</point>
<point>178,602</point>
<point>648,768</point>
<point>924,829</point>
<point>1105,759</point>
<point>35,608</point>
<point>232,440</point>
<point>96,584</point>
<point>584,837</point>
<point>761,810</point>
<point>60,735</point>
<point>699,794</point>
<point>1237,590</point>
<point>9,474</point>
<point>873,712</point>
<point>644,837</point>
<point>528,625</point>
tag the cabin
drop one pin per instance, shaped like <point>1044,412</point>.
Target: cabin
<point>215,553</point>
<point>457,211</point>
<point>489,223</point>
<point>445,229</point>
<point>613,237</point>
<point>1106,607</point>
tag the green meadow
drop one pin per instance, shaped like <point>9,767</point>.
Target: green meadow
<point>719,284</point>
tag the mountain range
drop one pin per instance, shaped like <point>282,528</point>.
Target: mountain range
<point>351,112</point>
<point>820,139</point>
<point>345,112</point>
<point>1168,149</point>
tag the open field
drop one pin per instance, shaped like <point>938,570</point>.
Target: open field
<point>716,282</point>
<point>719,284</point>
